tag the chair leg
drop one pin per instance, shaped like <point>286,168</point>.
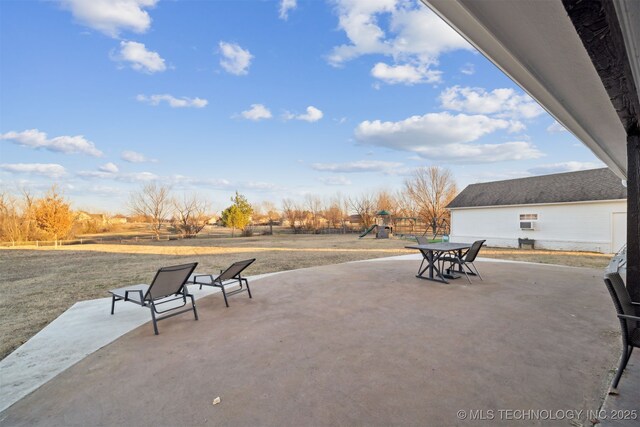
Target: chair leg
<point>465,273</point>
<point>193,303</point>
<point>476,271</point>
<point>153,318</point>
<point>224,294</point>
<point>246,282</point>
<point>626,354</point>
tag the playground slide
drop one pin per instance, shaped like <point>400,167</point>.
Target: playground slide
<point>368,230</point>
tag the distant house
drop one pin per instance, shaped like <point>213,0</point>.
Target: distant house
<point>118,219</point>
<point>584,211</point>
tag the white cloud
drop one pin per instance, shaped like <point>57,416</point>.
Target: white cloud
<point>468,69</point>
<point>516,126</point>
<point>285,7</point>
<point>414,34</point>
<point>137,177</point>
<point>359,22</point>
<point>182,181</point>
<point>135,157</point>
<point>50,170</point>
<point>357,166</point>
<point>313,114</point>
<point>139,58</point>
<point>501,102</point>
<point>443,136</point>
<point>258,186</point>
<point>112,16</point>
<point>556,127</point>
<point>335,180</point>
<point>61,144</point>
<point>109,168</point>
<point>564,167</point>
<point>488,176</point>
<point>432,129</point>
<point>257,112</point>
<point>235,59</point>
<point>134,177</point>
<point>172,101</point>
<point>405,74</point>
<point>481,153</point>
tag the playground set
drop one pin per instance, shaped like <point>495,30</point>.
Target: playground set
<point>405,226</point>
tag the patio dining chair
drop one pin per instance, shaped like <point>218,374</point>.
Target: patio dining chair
<point>167,286</point>
<point>229,277</point>
<point>466,260</point>
<point>629,316</point>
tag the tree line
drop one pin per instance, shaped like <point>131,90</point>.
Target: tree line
<point>424,196</point>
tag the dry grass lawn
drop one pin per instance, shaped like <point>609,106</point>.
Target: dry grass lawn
<point>38,284</point>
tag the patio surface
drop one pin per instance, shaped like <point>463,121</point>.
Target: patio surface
<point>362,343</point>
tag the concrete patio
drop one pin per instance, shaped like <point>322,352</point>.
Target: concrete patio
<point>361,343</point>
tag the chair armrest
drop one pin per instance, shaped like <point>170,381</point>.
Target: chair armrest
<point>126,295</point>
<point>196,276</point>
<point>626,316</point>
<point>635,303</point>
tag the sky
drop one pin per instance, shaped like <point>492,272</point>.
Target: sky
<point>273,99</point>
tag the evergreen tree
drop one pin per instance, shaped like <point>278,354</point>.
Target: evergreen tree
<point>238,215</point>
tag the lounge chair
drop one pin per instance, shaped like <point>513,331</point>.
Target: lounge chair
<point>629,316</point>
<point>167,285</point>
<point>465,261</point>
<point>230,276</point>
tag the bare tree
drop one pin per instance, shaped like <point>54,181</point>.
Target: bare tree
<point>296,215</point>
<point>190,215</point>
<point>365,207</point>
<point>271,211</point>
<point>153,202</point>
<point>16,218</point>
<point>313,205</point>
<point>288,212</point>
<point>407,207</point>
<point>271,214</point>
<point>431,189</point>
<point>334,214</point>
<point>386,201</point>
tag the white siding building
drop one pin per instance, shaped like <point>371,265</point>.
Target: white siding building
<point>582,211</point>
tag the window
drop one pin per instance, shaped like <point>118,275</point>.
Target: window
<point>528,217</point>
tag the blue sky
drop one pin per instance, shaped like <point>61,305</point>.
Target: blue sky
<point>275,99</point>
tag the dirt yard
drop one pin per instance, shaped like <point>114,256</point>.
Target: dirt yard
<point>38,284</point>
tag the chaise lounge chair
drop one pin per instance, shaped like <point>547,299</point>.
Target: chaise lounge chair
<point>168,285</point>
<point>629,316</point>
<point>228,277</point>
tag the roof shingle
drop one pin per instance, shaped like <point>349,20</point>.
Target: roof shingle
<point>587,185</point>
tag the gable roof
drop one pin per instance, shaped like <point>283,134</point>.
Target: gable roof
<point>587,185</point>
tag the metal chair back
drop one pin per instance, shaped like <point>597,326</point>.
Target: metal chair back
<point>235,269</point>
<point>169,281</point>
<point>422,240</point>
<point>472,253</point>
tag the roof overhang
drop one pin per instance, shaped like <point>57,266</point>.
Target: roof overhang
<point>536,44</point>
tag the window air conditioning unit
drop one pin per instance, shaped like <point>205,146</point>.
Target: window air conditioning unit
<point>527,225</point>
